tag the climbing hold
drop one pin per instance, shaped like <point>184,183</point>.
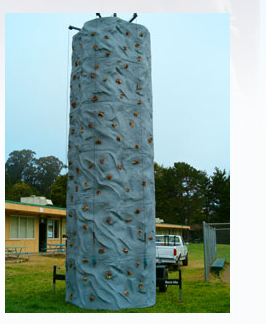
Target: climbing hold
<point>125,250</point>
<point>141,34</point>
<point>137,211</point>
<point>135,114</point>
<point>73,105</point>
<point>85,226</point>
<point>77,170</point>
<point>86,184</point>
<point>73,48</point>
<point>85,208</point>
<point>118,81</point>
<point>131,123</point>
<point>98,192</point>
<point>114,125</point>
<point>139,102</point>
<point>74,233</point>
<point>140,285</point>
<point>138,87</point>
<point>90,126</point>
<point>101,251</point>
<point>120,167</point>
<point>71,244</point>
<point>137,264</point>
<point>128,219</point>
<point>93,33</point>
<point>106,37</point>
<point>109,222</point>
<point>127,33</point>
<point>140,232</point>
<point>150,238</point>
<point>139,58</point>
<point>122,95</point>
<point>105,79</point>
<point>70,265</point>
<point>125,48</point>
<point>80,43</point>
<point>76,188</point>
<point>136,146</point>
<point>69,163</point>
<point>90,165</point>
<point>74,77</point>
<point>101,113</point>
<point>127,189</point>
<point>71,198</point>
<point>119,138</point>
<point>108,275</point>
<point>135,162</point>
<point>126,293</point>
<point>81,129</point>
<point>137,45</point>
<point>94,98</point>
<point>144,183</point>
<point>126,66</point>
<point>85,279</point>
<point>71,177</point>
<point>102,160</point>
<point>109,176</point>
<point>72,131</point>
<point>70,296</point>
<point>95,47</point>
<point>77,147</point>
<point>85,260</point>
<point>92,298</point>
<point>129,273</point>
<point>150,140</point>
<point>93,75</point>
<point>107,54</point>
<point>98,141</point>
<point>96,66</point>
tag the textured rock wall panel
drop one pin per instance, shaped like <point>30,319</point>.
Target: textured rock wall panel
<point>111,201</point>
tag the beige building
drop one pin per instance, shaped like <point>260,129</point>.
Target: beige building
<point>33,226</point>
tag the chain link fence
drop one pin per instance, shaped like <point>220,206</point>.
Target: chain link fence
<point>210,242</point>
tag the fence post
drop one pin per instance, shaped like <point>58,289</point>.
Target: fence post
<point>205,251</point>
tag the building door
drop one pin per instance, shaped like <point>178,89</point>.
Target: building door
<point>42,234</point>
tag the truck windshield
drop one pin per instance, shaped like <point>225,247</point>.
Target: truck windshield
<point>167,240</point>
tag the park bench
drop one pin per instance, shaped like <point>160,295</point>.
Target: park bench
<point>218,265</point>
<point>16,252</point>
<point>54,248</point>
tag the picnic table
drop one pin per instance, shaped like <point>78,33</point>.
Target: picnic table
<point>15,251</point>
<point>55,248</point>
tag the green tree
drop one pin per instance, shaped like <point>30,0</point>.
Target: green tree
<point>20,190</point>
<point>59,191</point>
<point>180,194</point>
<point>220,193</point>
<point>47,170</point>
<point>18,164</point>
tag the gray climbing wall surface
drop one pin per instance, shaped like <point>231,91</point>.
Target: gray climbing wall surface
<point>110,261</point>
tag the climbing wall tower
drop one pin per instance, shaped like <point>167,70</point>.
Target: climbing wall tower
<point>110,261</point>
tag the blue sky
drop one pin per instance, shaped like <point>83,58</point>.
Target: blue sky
<point>190,79</point>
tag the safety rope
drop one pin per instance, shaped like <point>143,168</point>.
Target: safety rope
<point>142,162</point>
<point>67,101</point>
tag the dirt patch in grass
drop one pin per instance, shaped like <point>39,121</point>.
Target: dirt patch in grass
<point>226,274</point>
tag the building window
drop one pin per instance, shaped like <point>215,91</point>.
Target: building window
<point>53,228</point>
<point>63,227</point>
<point>21,227</point>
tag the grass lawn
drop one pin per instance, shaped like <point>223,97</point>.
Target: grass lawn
<point>29,288</point>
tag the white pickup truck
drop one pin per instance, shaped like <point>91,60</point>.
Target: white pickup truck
<point>169,248</point>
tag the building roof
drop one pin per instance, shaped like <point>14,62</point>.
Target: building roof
<point>15,206</point>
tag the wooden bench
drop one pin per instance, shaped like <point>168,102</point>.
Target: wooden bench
<point>218,265</point>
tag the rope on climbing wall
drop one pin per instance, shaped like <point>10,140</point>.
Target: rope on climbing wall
<point>94,149</point>
<point>67,98</point>
<point>142,162</point>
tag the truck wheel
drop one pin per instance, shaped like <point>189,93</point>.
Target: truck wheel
<point>185,262</point>
<point>163,287</point>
